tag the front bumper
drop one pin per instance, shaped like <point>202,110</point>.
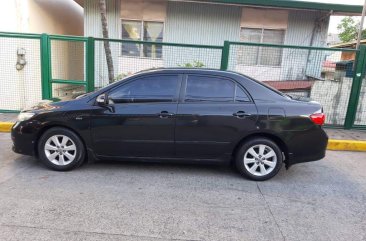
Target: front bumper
<point>24,138</point>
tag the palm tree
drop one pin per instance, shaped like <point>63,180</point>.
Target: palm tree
<point>107,47</point>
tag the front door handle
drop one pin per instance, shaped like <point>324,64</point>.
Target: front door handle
<point>241,114</point>
<point>165,114</point>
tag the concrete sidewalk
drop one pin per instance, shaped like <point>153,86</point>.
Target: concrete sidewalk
<point>8,117</point>
<point>340,134</point>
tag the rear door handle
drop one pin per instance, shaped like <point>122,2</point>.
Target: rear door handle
<point>241,114</point>
<point>165,114</point>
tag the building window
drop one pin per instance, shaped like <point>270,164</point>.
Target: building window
<point>255,55</point>
<point>142,30</point>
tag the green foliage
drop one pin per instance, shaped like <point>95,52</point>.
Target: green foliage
<point>195,64</point>
<point>122,76</point>
<point>348,28</point>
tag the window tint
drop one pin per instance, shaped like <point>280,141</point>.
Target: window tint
<point>209,88</point>
<point>161,88</point>
<point>240,95</point>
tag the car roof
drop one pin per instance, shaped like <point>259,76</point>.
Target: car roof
<point>183,70</point>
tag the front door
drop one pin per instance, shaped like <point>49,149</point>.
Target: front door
<point>213,114</point>
<point>139,120</point>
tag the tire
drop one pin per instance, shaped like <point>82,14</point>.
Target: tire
<point>259,159</point>
<point>61,149</point>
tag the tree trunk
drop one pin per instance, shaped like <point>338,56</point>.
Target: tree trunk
<point>107,47</point>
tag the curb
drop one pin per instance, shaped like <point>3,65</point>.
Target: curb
<point>335,145</point>
<point>5,126</point>
<point>346,145</point>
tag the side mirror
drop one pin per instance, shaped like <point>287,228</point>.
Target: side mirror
<point>102,100</point>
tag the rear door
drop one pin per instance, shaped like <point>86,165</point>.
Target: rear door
<point>213,113</point>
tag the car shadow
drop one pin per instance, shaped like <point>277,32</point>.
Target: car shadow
<point>166,166</point>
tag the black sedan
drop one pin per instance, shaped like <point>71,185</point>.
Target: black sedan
<point>169,115</point>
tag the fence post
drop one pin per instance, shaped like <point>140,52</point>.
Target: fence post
<point>90,61</point>
<point>359,73</point>
<point>225,56</point>
<point>45,66</point>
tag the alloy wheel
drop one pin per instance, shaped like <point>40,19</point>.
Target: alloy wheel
<point>60,150</point>
<point>260,160</point>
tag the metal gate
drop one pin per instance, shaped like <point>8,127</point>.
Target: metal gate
<point>66,67</point>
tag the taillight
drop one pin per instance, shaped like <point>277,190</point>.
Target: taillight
<point>318,118</point>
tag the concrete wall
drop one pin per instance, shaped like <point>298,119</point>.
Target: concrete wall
<point>10,18</point>
<point>361,109</point>
<point>41,16</point>
<point>22,88</point>
<point>334,97</point>
<point>55,17</point>
<point>301,63</point>
<point>335,101</point>
<point>194,23</point>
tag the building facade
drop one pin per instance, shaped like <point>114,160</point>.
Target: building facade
<point>212,23</point>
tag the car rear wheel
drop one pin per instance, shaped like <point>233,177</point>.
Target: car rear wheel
<point>259,159</point>
<point>61,149</point>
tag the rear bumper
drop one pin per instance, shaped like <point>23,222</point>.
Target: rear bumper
<point>307,146</point>
<point>24,139</point>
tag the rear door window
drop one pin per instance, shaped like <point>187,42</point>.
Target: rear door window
<point>209,89</point>
<point>240,95</point>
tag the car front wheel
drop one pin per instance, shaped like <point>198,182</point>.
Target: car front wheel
<point>259,159</point>
<point>61,149</point>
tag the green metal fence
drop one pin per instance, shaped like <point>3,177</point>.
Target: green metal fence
<point>67,71</point>
<point>357,104</point>
<point>129,56</point>
<point>62,67</point>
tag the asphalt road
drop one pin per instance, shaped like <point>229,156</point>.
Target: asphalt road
<point>324,200</point>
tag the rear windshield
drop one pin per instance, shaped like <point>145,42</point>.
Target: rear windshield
<point>268,87</point>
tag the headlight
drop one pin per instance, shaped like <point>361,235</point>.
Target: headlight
<point>25,116</point>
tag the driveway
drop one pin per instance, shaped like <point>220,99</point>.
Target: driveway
<point>324,200</point>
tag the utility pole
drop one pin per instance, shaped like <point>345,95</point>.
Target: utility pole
<point>361,26</point>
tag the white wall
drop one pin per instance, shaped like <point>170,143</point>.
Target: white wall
<point>22,88</point>
<point>41,16</point>
<point>301,63</point>
<point>55,17</point>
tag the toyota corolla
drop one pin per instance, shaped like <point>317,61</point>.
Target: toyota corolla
<point>168,115</point>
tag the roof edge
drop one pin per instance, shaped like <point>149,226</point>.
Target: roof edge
<point>344,8</point>
<point>294,4</point>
